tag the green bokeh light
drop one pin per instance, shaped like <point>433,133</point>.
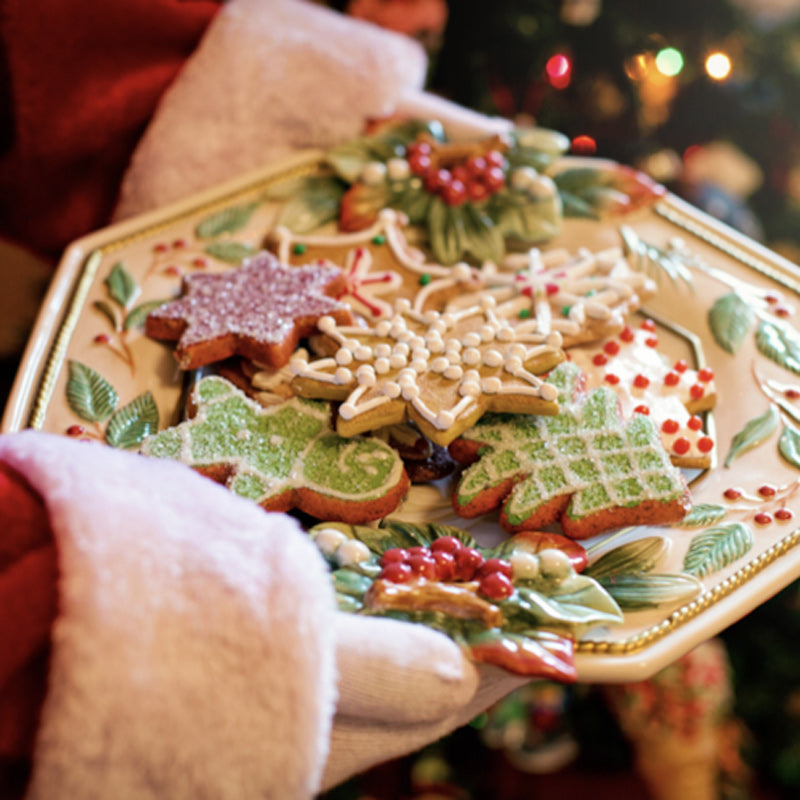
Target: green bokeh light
<point>669,61</point>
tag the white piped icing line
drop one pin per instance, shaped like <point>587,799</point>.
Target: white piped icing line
<point>365,287</point>
<point>566,292</point>
<point>475,350</point>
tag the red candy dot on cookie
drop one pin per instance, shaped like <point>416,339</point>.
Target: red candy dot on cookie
<point>641,381</point>
<point>696,391</point>
<point>641,410</point>
<point>681,446</point>
<point>672,379</point>
<point>612,348</point>
<point>648,325</point>
<point>551,288</point>
<point>612,379</point>
<point>670,426</point>
<point>706,374</point>
<point>680,365</point>
<point>600,359</point>
<point>652,341</point>
<point>694,423</point>
<point>626,334</point>
<point>705,444</point>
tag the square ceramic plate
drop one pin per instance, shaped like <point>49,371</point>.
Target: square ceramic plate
<point>741,550</point>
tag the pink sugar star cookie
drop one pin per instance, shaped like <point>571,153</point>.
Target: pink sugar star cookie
<point>260,311</point>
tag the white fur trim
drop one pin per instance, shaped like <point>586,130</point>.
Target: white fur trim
<point>193,655</point>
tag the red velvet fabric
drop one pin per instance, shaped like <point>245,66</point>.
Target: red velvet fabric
<point>79,81</point>
<point>28,603</point>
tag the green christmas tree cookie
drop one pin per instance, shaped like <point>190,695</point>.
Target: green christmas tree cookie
<point>586,467</point>
<point>283,457</point>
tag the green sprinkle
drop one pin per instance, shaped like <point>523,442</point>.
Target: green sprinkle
<point>591,293</point>
<point>565,310</point>
<point>525,313</point>
<point>379,239</point>
<point>425,279</point>
<point>299,249</point>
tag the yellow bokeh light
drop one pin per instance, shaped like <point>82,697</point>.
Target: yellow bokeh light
<point>718,66</point>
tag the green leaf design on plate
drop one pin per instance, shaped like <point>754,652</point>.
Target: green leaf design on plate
<point>230,252</point>
<point>312,202</point>
<point>137,315</point>
<point>121,286</point>
<point>107,310</point>
<point>730,318</point>
<point>578,602</point>
<point>638,556</point>
<point>89,394</point>
<point>634,592</point>
<point>702,515</point>
<point>717,547</point>
<point>780,343</point>
<point>134,422</point>
<point>425,533</point>
<point>754,432</point>
<point>789,445</point>
<point>229,220</point>
<point>350,583</point>
<point>654,260</point>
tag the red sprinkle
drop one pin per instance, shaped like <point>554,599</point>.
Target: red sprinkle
<point>600,359</point>
<point>648,325</point>
<point>696,391</point>
<point>767,490</point>
<point>783,514</point>
<point>762,518</point>
<point>732,494</point>
<point>706,374</point>
<point>612,378</point>
<point>672,379</point>
<point>670,426</point>
<point>551,288</point>
<point>680,365</point>
<point>694,423</point>
<point>612,348</point>
<point>642,410</point>
<point>641,381</point>
<point>626,334</point>
<point>705,444</point>
<point>681,445</point>
<point>651,341</point>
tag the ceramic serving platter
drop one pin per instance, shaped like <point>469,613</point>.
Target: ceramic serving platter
<point>723,303</point>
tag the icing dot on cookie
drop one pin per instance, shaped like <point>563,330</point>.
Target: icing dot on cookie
<point>342,376</point>
<point>391,389</point>
<point>705,444</point>
<point>600,359</point>
<point>382,366</point>
<point>626,334</point>
<point>439,364</point>
<point>642,410</point>
<point>491,385</point>
<point>453,372</point>
<point>444,419</point>
<point>681,445</point>
<point>611,348</point>
<point>343,357</point>
<point>548,392</point>
<point>612,378</point>
<point>652,341</point>
<point>695,423</point>
<point>641,381</point>
<point>680,365</point>
<point>697,391</point>
<point>670,426</point>
<point>493,358</point>
<point>672,379</point>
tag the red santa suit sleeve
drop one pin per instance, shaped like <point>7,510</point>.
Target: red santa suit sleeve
<point>80,82</point>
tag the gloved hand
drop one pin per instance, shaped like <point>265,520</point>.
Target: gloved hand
<point>197,647</point>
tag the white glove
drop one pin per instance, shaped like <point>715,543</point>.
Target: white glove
<point>269,78</point>
<point>198,649</point>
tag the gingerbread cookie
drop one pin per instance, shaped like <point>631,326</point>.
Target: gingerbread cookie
<point>586,467</point>
<point>378,266</point>
<point>260,310</point>
<point>583,296</point>
<point>283,457</point>
<point>442,371</point>
<point>647,382</point>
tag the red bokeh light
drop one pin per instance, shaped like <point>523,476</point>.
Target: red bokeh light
<point>559,70</point>
<point>584,145</point>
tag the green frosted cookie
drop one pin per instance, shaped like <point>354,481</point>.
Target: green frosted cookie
<point>586,467</point>
<point>283,457</point>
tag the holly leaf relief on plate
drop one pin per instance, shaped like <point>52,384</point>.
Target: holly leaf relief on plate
<point>730,319</point>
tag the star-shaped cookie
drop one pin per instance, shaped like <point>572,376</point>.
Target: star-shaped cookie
<point>586,467</point>
<point>283,457</point>
<point>260,311</point>
<point>442,371</point>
